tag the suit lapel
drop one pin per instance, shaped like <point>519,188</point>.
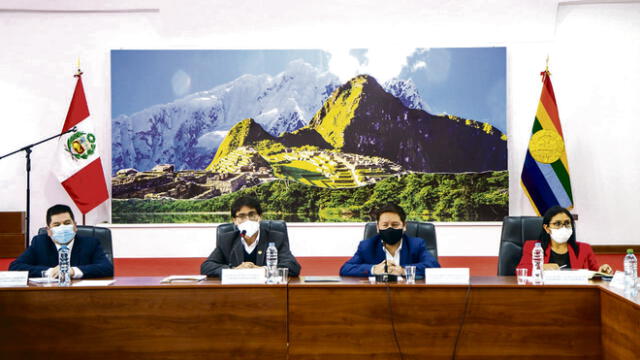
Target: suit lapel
<point>380,255</point>
<point>262,246</point>
<point>51,253</point>
<point>405,252</point>
<point>236,256</point>
<point>75,252</point>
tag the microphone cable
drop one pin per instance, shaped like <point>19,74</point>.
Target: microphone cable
<point>393,323</point>
<point>462,321</point>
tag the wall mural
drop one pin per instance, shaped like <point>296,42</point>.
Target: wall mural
<point>316,135</point>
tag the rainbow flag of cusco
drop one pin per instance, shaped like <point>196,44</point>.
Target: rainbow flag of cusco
<point>545,176</point>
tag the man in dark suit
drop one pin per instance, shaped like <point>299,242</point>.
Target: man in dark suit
<point>391,249</point>
<point>246,247</point>
<point>88,260</point>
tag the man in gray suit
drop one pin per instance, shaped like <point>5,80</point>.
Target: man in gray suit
<point>246,247</point>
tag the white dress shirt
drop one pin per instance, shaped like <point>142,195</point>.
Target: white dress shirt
<point>249,248</point>
<point>391,258</point>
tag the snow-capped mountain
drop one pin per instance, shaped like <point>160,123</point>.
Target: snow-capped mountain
<point>187,131</point>
<point>181,132</point>
<point>407,92</point>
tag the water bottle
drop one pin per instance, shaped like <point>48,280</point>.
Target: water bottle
<point>630,273</point>
<point>64,279</point>
<point>272,264</point>
<point>537,258</point>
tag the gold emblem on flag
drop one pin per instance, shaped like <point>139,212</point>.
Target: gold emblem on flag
<point>546,146</point>
<point>81,145</point>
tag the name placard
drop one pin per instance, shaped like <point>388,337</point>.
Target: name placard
<point>243,276</point>
<point>13,278</point>
<point>565,277</point>
<point>447,276</point>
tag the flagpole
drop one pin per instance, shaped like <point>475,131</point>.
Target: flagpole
<point>27,149</point>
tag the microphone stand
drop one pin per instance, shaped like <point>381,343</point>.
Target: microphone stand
<point>27,149</point>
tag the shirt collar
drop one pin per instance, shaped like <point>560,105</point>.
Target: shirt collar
<point>395,258</point>
<point>69,245</point>
<point>249,248</point>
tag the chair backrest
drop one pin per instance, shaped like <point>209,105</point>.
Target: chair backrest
<point>515,231</point>
<point>277,225</point>
<point>424,230</point>
<point>103,235</point>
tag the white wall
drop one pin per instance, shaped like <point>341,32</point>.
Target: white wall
<point>594,51</point>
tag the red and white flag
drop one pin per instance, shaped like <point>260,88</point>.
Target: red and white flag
<point>79,168</point>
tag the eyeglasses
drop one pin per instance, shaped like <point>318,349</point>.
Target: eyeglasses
<point>559,224</point>
<point>251,216</point>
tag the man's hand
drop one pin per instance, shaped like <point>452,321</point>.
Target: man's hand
<point>392,268</point>
<point>55,272</point>
<point>246,265</point>
<point>396,270</point>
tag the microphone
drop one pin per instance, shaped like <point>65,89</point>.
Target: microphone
<point>386,277</point>
<point>243,233</point>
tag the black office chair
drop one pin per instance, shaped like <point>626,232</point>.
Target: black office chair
<point>101,233</point>
<point>515,231</point>
<point>277,225</point>
<point>424,230</point>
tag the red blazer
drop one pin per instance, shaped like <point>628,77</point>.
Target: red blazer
<point>586,258</point>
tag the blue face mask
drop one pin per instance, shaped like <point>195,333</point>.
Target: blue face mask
<point>63,234</point>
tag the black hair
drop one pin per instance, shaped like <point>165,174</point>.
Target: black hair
<point>391,208</point>
<point>545,239</point>
<point>247,201</point>
<point>58,209</point>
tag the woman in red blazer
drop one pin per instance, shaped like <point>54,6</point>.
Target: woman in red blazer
<point>558,238</point>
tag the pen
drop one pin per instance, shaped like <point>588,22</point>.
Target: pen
<point>565,265</point>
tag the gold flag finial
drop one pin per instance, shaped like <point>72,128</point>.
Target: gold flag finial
<point>546,68</point>
<point>79,72</point>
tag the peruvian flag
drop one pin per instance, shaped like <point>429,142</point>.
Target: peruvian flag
<point>79,166</point>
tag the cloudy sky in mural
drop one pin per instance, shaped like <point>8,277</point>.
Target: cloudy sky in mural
<point>467,82</point>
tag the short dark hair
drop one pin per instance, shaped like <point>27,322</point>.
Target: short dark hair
<point>58,209</point>
<point>247,201</point>
<point>391,208</point>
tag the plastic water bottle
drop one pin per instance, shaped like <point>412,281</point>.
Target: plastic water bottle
<point>272,264</point>
<point>64,279</point>
<point>630,273</point>
<point>537,258</point>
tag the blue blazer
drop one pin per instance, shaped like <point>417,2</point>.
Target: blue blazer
<point>370,253</point>
<point>87,255</point>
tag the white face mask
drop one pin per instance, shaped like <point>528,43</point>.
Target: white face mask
<point>561,235</point>
<point>250,227</point>
<point>63,234</point>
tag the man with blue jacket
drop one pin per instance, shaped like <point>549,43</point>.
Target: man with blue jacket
<point>390,247</point>
<point>88,260</point>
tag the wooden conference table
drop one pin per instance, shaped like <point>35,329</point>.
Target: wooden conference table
<point>140,318</point>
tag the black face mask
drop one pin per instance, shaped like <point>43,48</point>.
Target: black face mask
<point>391,236</point>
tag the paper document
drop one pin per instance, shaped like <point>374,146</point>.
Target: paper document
<point>44,280</point>
<point>172,278</point>
<point>93,283</point>
<point>322,279</point>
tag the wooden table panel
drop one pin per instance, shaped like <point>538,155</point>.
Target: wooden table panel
<point>532,323</point>
<point>155,323</point>
<point>620,327</point>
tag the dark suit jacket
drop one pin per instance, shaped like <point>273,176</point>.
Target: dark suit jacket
<point>229,252</point>
<point>86,254</point>
<point>370,253</point>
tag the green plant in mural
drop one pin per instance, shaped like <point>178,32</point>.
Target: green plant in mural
<point>429,197</point>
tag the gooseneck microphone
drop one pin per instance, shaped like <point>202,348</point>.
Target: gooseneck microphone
<point>386,277</point>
